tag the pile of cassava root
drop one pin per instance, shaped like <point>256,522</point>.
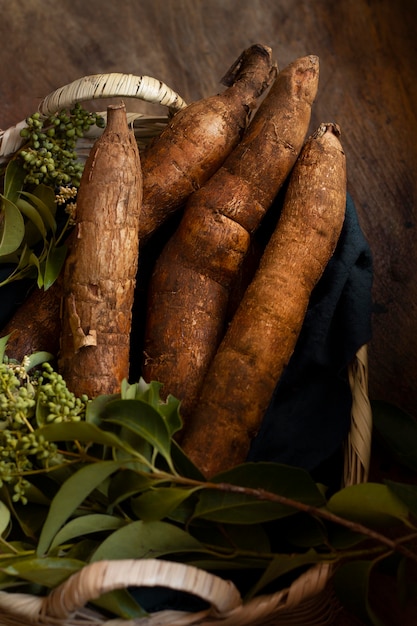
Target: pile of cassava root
<point>219,164</point>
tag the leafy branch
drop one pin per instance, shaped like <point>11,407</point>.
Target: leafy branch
<point>42,178</point>
<point>121,487</point>
<point>325,514</point>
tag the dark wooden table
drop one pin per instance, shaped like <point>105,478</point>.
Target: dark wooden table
<point>367,51</point>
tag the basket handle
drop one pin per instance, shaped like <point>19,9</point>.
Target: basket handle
<point>96,86</point>
<point>111,85</point>
<point>100,577</point>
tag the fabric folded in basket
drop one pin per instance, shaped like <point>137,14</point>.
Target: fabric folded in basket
<point>309,415</point>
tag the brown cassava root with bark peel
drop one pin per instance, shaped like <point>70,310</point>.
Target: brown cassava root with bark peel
<point>194,144</point>
<point>35,326</point>
<point>100,271</point>
<point>263,333</point>
<point>192,280</point>
<point>199,138</point>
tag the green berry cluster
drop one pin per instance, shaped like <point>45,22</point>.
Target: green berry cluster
<point>54,396</point>
<point>50,155</point>
<point>17,396</point>
<point>26,404</point>
<point>20,453</point>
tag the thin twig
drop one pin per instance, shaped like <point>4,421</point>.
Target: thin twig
<point>262,494</point>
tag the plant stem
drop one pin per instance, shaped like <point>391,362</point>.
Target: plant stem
<point>262,494</point>
<point>9,547</point>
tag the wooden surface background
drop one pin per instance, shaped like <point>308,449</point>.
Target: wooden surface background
<point>367,51</point>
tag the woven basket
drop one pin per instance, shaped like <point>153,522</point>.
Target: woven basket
<point>308,601</point>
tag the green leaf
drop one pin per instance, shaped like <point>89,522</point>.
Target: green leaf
<point>283,480</point>
<point>128,391</point>
<point>80,550</point>
<point>84,432</point>
<point>4,518</point>
<point>406,579</point>
<point>142,540</point>
<point>351,583</point>
<point>372,504</point>
<point>183,463</point>
<point>54,263</point>
<point>341,538</point>
<point>170,410</point>
<point>141,390</point>
<point>142,419</point>
<point>143,449</point>
<point>30,519</point>
<point>85,525</point>
<point>33,237</point>
<point>182,515</point>
<point>407,493</point>
<point>10,579</point>
<point>120,602</point>
<point>45,203</point>
<point>126,484</point>
<point>228,508</point>
<point>36,495</point>
<point>24,259</point>
<point>48,571</point>
<point>234,538</point>
<point>282,564</point>
<point>13,179</point>
<point>29,211</point>
<point>3,346</point>
<point>37,358</point>
<point>70,496</point>
<point>159,502</point>
<point>398,429</point>
<point>46,195</point>
<point>96,407</point>
<point>18,550</point>
<point>242,508</point>
<point>13,228</point>
<point>150,393</point>
<point>33,261</point>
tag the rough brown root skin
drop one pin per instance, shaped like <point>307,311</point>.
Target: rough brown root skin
<point>214,236</point>
<point>264,330</point>
<point>200,137</point>
<point>36,325</point>
<point>100,271</point>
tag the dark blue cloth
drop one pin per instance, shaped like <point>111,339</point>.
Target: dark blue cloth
<point>309,415</point>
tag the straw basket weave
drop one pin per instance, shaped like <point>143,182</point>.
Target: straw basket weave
<point>308,601</point>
